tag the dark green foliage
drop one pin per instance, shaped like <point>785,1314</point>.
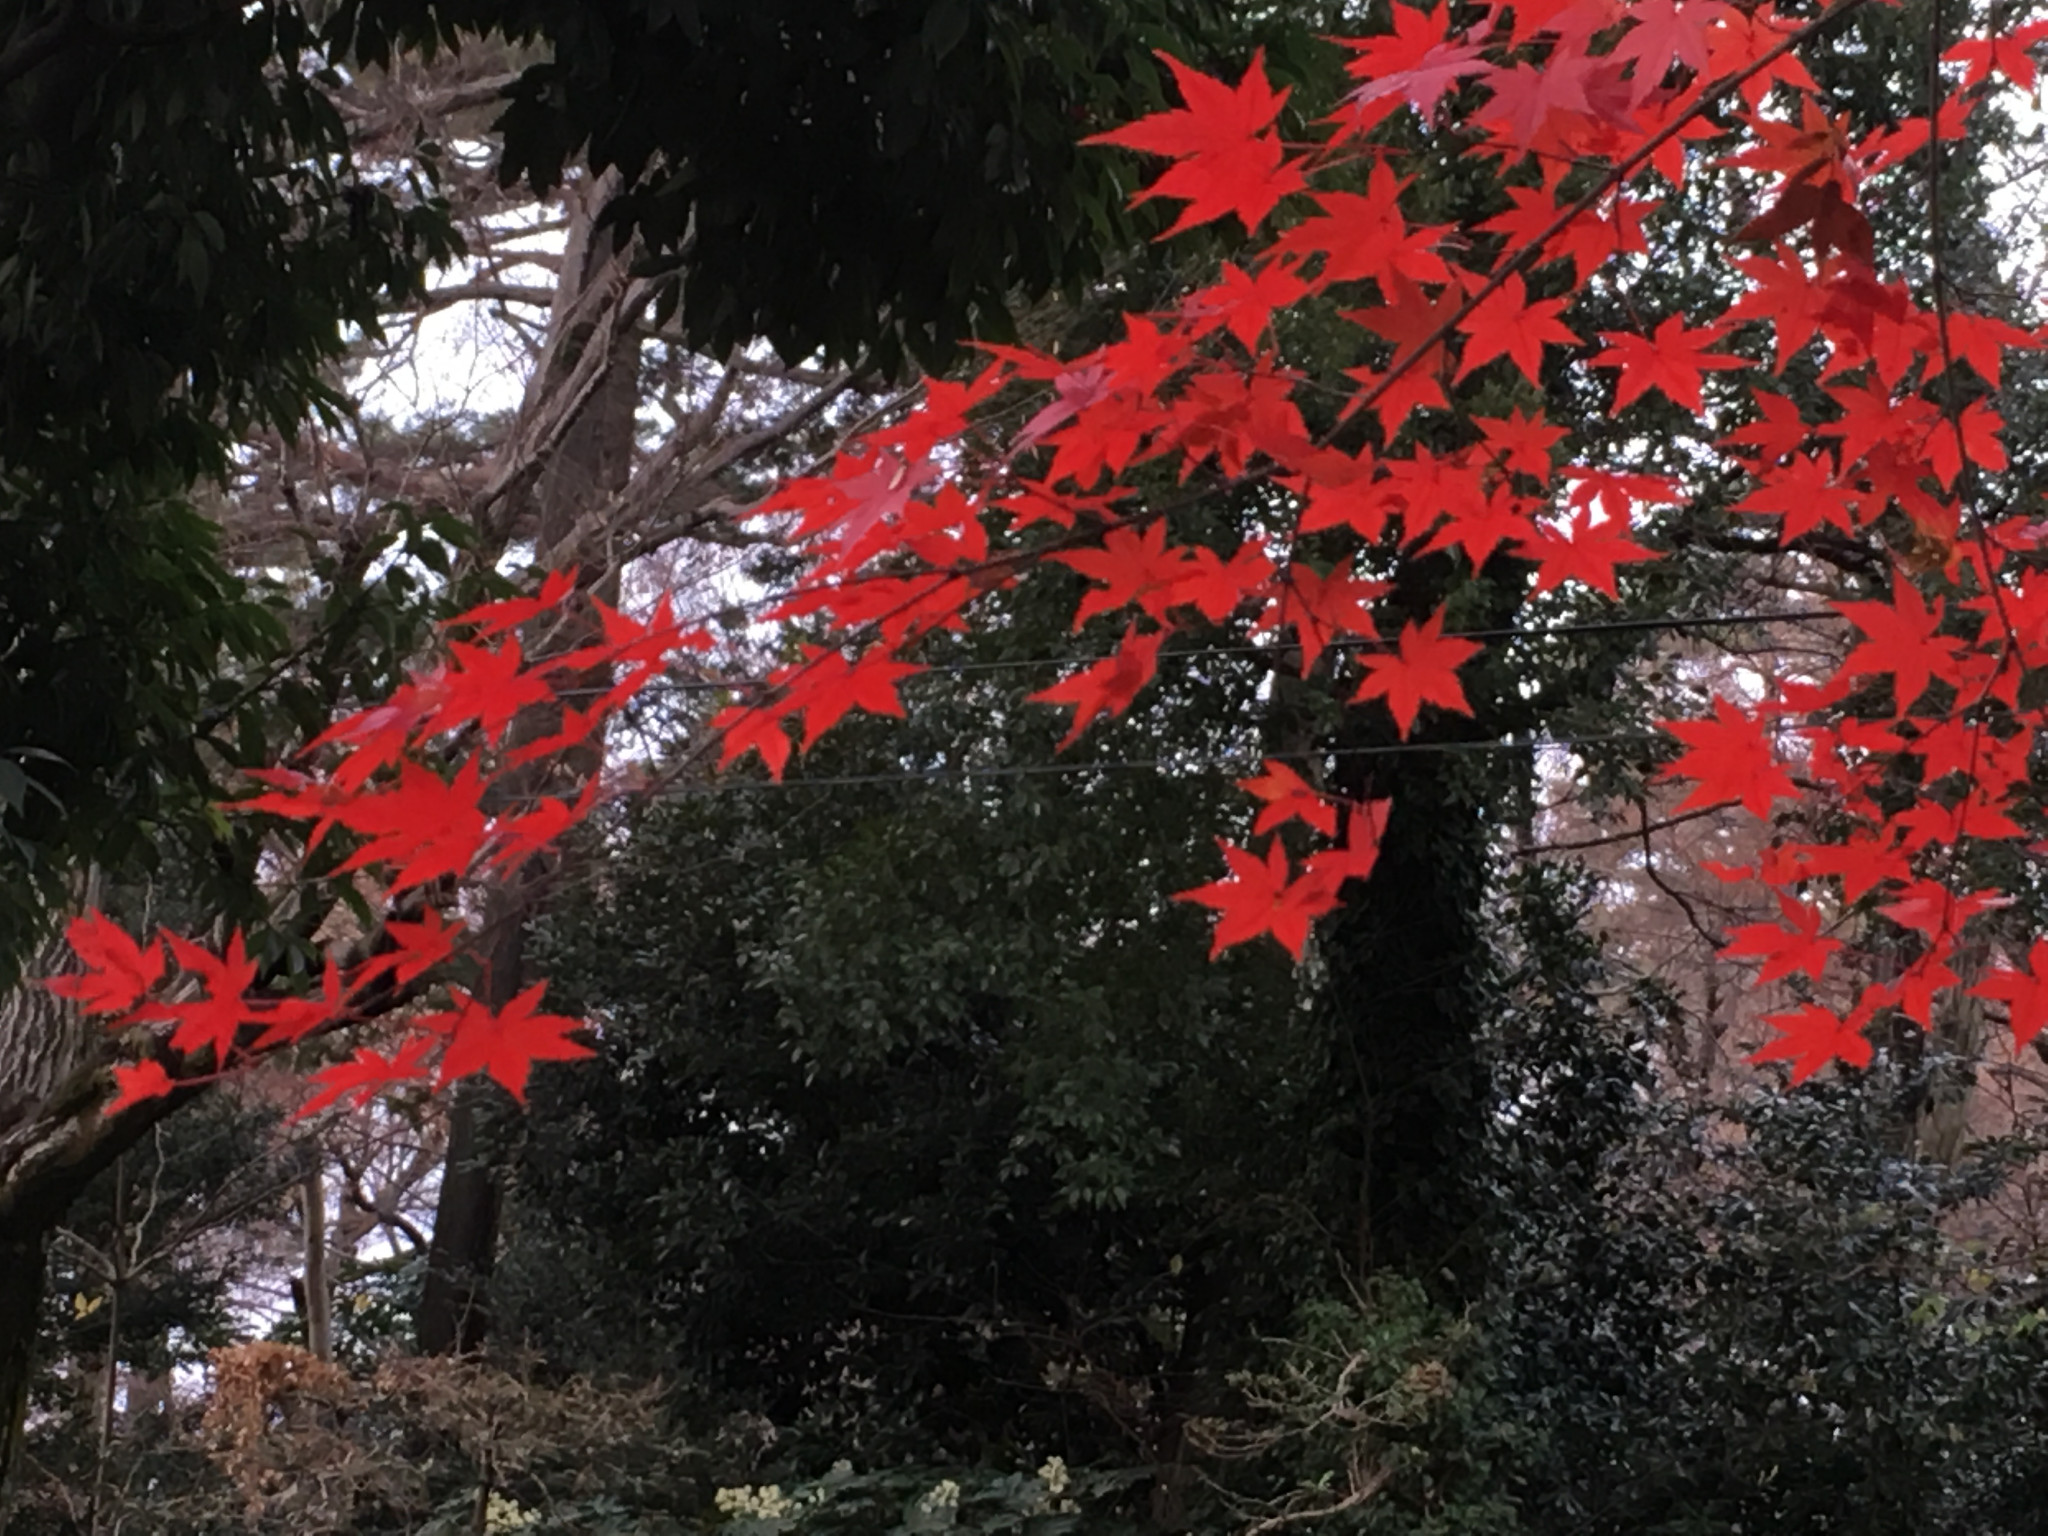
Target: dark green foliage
<point>1767,1328</point>
<point>186,244</point>
<point>870,179</point>
<point>186,238</point>
<point>1758,1318</point>
<point>923,1119</point>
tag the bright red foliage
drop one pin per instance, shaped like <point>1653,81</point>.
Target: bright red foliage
<point>118,971</point>
<point>900,546</point>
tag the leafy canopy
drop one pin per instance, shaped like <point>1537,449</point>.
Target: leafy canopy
<point>1909,760</point>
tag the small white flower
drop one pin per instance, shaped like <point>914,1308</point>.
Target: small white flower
<point>1055,1476</point>
<point>502,1514</point>
<point>747,1502</point>
<point>946,1496</point>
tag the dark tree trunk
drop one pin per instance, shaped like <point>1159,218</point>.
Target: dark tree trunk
<point>585,473</point>
<point>54,1139</point>
<point>454,1312</point>
<point>21,1302</point>
<point>1408,960</point>
<point>1405,956</point>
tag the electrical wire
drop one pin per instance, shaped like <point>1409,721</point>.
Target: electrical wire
<point>1510,633</point>
<point>961,773</point>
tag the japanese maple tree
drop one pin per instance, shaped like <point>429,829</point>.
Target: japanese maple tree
<point>1916,748</point>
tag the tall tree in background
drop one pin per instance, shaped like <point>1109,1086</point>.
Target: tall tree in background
<point>227,220</point>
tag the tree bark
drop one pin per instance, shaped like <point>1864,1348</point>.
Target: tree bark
<point>54,1140</point>
<point>22,1255</point>
<point>1408,958</point>
<point>454,1311</point>
<point>319,1290</point>
<point>585,470</point>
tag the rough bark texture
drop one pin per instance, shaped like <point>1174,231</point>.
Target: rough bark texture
<point>54,1139</point>
<point>582,475</point>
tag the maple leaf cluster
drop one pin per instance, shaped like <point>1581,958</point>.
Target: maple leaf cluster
<point>910,526</point>
<point>1893,460</point>
<point>422,831</point>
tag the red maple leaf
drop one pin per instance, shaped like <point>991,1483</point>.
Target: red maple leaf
<point>637,648</point>
<point>1415,63</point>
<point>1532,210</point>
<point>421,944</point>
<point>1872,420</point>
<point>1862,864</point>
<point>1508,323</point>
<point>424,827</point>
<point>1365,825</point>
<point>1977,425</point>
<point>753,726</point>
<point>1480,525</point>
<point>118,971</point>
<point>1665,33</point>
<point>375,737</point>
<point>1810,1037</point>
<point>212,1021</point>
<point>2006,53</point>
<point>1914,991</point>
<point>1900,639</point>
<point>1109,686</point>
<point>366,1074</point>
<point>865,490</point>
<point>1786,294</point>
<point>1530,100</point>
<point>631,642</point>
<point>509,613</point>
<point>1729,758</point>
<point>1409,319</point>
<point>1423,671</point>
<point>1365,234</point>
<point>2024,991</point>
<point>1324,609</point>
<point>1258,897</point>
<point>1522,443</point>
<point>488,684</point>
<point>1349,498</point>
<point>1289,797</point>
<point>1584,551</point>
<point>291,1019</point>
<point>1795,945</point>
<point>1225,160</point>
<point>1133,565</point>
<point>829,686</point>
<point>1742,39</point>
<point>1936,912</point>
<point>299,797</point>
<point>1217,588</point>
<point>515,839</point>
<point>1805,492</point>
<point>1243,302</point>
<point>1982,341</point>
<point>1670,359</point>
<point>137,1083</point>
<point>505,1043</point>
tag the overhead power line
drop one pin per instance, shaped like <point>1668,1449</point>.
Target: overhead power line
<point>1587,627</point>
<point>961,772</point>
